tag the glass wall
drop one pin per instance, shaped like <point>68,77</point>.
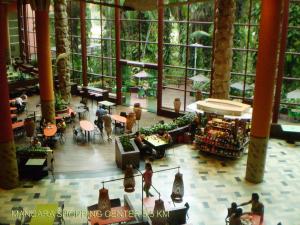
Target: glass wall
<point>100,46</point>
<point>188,40</point>
<point>75,41</point>
<point>13,34</point>
<point>188,32</point>
<point>31,33</point>
<point>139,50</point>
<point>290,94</point>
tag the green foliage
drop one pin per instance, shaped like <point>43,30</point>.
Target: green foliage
<point>125,142</point>
<point>197,86</point>
<point>22,150</point>
<point>179,122</point>
<point>59,102</point>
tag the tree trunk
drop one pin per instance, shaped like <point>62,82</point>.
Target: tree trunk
<point>62,48</point>
<point>222,62</point>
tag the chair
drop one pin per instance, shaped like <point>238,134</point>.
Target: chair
<point>51,168</point>
<point>77,135</point>
<point>98,132</point>
<point>120,125</point>
<point>61,135</point>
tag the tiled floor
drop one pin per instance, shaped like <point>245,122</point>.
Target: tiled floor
<point>211,183</point>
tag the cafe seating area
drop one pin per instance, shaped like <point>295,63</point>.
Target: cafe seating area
<point>157,112</point>
<point>82,137</point>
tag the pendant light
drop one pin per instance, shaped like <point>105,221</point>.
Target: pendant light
<point>178,188</point>
<point>159,214</point>
<point>104,203</point>
<point>129,182</point>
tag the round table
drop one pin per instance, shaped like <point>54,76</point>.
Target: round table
<point>50,130</point>
<point>87,126</point>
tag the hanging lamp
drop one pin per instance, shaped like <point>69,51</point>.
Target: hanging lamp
<point>178,188</point>
<point>129,181</point>
<point>104,203</point>
<point>159,214</point>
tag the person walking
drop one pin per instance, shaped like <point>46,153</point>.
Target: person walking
<point>147,179</point>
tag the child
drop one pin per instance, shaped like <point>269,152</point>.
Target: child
<point>147,178</point>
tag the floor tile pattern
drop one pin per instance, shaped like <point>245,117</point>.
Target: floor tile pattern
<point>211,184</point>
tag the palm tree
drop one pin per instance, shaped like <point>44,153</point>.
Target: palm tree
<point>62,48</point>
<point>222,62</point>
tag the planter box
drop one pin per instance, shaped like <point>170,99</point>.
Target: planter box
<point>176,133</point>
<point>123,158</point>
<point>62,111</point>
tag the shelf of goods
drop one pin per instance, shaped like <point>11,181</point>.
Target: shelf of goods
<point>226,138</point>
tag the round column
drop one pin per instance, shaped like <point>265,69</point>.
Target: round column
<point>9,170</point>
<point>264,89</point>
<point>41,8</point>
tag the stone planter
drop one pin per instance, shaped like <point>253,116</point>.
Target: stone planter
<point>177,104</point>
<point>124,158</point>
<point>137,110</point>
<point>178,132</point>
<point>62,111</point>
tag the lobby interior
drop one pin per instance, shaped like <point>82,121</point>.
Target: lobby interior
<point>140,60</point>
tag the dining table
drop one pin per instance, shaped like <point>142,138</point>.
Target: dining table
<point>17,125</point>
<point>119,118</point>
<point>50,130</point>
<point>107,104</point>
<point>155,141</point>
<point>87,127</point>
<point>13,109</point>
<point>252,219</point>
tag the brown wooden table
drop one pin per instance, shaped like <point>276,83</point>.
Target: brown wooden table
<point>17,125</point>
<point>13,108</point>
<point>119,118</point>
<point>87,126</point>
<point>50,130</point>
<point>116,215</point>
<point>254,219</point>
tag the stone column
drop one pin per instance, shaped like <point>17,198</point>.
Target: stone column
<point>9,170</point>
<point>222,62</point>
<point>62,48</point>
<point>264,89</point>
<point>41,8</point>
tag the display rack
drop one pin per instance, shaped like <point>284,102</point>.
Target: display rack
<point>224,137</point>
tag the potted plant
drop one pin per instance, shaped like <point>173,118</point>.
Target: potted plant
<point>126,152</point>
<point>197,87</point>
<point>177,104</point>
